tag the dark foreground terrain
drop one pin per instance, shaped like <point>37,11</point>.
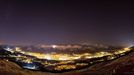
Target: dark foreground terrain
<point>120,66</point>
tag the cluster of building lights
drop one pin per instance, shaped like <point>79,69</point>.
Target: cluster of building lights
<point>63,61</point>
<point>65,67</point>
<point>56,56</point>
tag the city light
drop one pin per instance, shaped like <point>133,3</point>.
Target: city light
<point>63,61</point>
<point>54,46</point>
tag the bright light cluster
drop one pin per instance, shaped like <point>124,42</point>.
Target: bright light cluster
<point>56,56</point>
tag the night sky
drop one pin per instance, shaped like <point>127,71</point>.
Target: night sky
<point>60,21</point>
